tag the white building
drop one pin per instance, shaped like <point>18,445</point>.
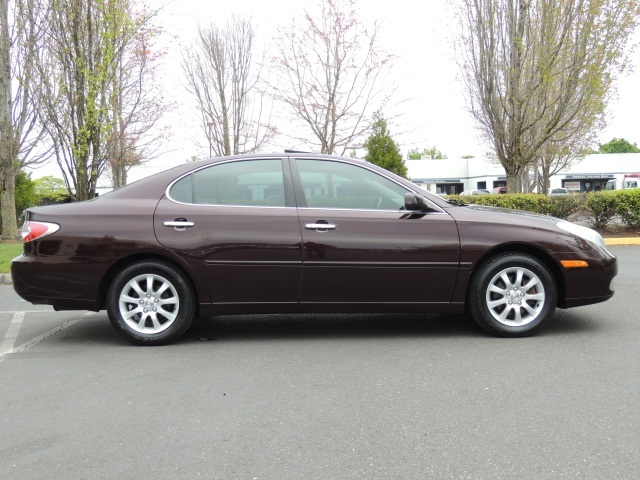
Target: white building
<point>454,176</point>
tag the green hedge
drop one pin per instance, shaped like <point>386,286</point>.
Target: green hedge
<point>602,206</point>
<point>598,209</point>
<point>628,208</point>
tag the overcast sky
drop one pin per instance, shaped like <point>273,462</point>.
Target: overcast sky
<point>420,34</point>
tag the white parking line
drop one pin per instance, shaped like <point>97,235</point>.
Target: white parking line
<point>12,333</point>
<point>44,310</point>
<point>39,338</point>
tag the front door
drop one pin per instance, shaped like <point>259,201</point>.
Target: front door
<point>361,247</point>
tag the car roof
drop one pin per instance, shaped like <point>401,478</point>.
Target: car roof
<point>159,181</point>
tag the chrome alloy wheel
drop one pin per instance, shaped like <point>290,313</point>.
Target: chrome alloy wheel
<point>515,296</point>
<point>149,303</point>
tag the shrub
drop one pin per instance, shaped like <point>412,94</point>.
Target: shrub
<point>601,206</point>
<point>629,207</point>
<point>562,206</point>
<point>517,201</point>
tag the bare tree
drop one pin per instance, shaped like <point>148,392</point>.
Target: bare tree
<point>136,104</point>
<point>220,73</point>
<point>330,74</point>
<point>84,41</point>
<point>540,72</point>
<point>21,132</point>
<point>565,149</point>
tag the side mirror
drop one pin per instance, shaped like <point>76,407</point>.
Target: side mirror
<point>416,202</point>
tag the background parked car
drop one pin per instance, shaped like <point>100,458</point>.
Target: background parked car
<point>475,192</point>
<point>499,190</point>
<point>558,191</point>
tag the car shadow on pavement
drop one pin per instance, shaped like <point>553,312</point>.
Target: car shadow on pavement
<point>331,326</point>
<point>577,320</point>
<point>231,328</point>
<point>328,326</point>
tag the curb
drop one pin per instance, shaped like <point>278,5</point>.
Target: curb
<point>622,241</point>
<point>5,279</point>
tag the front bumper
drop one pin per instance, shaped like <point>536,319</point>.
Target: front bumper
<point>586,286</point>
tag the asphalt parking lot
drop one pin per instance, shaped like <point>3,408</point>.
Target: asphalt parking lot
<point>324,396</point>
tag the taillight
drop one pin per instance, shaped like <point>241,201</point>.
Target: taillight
<point>33,230</point>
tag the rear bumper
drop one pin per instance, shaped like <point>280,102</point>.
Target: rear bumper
<point>43,281</point>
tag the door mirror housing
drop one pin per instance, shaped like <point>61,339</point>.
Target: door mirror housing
<point>416,202</point>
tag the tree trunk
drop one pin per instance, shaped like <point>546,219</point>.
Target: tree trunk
<point>118,174</point>
<point>7,140</point>
<point>513,181</point>
<point>546,175</point>
<point>8,201</point>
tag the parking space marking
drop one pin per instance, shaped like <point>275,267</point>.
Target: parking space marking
<point>12,333</point>
<point>44,310</point>
<point>39,338</point>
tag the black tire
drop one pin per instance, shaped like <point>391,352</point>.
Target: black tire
<point>499,305</point>
<point>150,303</point>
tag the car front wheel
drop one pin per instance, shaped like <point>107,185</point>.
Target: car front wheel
<point>150,303</point>
<point>512,295</point>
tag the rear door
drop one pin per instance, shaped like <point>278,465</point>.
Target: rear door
<point>236,224</point>
<point>360,246</point>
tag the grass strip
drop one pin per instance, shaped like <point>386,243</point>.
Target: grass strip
<point>8,251</point>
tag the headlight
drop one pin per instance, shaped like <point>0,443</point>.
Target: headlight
<point>583,232</point>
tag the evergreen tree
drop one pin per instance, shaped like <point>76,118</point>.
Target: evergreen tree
<point>382,150</point>
<point>426,153</point>
<point>619,145</point>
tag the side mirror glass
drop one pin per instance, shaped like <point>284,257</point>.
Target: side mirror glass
<point>416,202</point>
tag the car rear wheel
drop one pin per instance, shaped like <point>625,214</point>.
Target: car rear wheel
<point>150,303</point>
<point>512,295</point>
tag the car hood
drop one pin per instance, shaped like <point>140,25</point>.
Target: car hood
<point>509,211</point>
<point>504,216</point>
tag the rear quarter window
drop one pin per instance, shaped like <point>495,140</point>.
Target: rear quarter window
<point>182,190</point>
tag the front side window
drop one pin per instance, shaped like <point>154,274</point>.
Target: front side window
<point>329,184</point>
<point>245,183</point>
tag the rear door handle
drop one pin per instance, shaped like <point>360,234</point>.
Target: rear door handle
<point>320,227</point>
<point>179,224</point>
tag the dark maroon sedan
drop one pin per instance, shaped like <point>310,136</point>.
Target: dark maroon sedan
<point>302,233</point>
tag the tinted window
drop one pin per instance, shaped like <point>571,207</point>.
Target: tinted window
<point>341,185</point>
<point>251,182</point>
<point>182,190</point>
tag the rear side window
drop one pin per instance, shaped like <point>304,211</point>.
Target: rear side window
<point>244,183</point>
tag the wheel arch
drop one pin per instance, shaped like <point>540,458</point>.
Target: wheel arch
<point>111,273</point>
<point>533,251</point>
